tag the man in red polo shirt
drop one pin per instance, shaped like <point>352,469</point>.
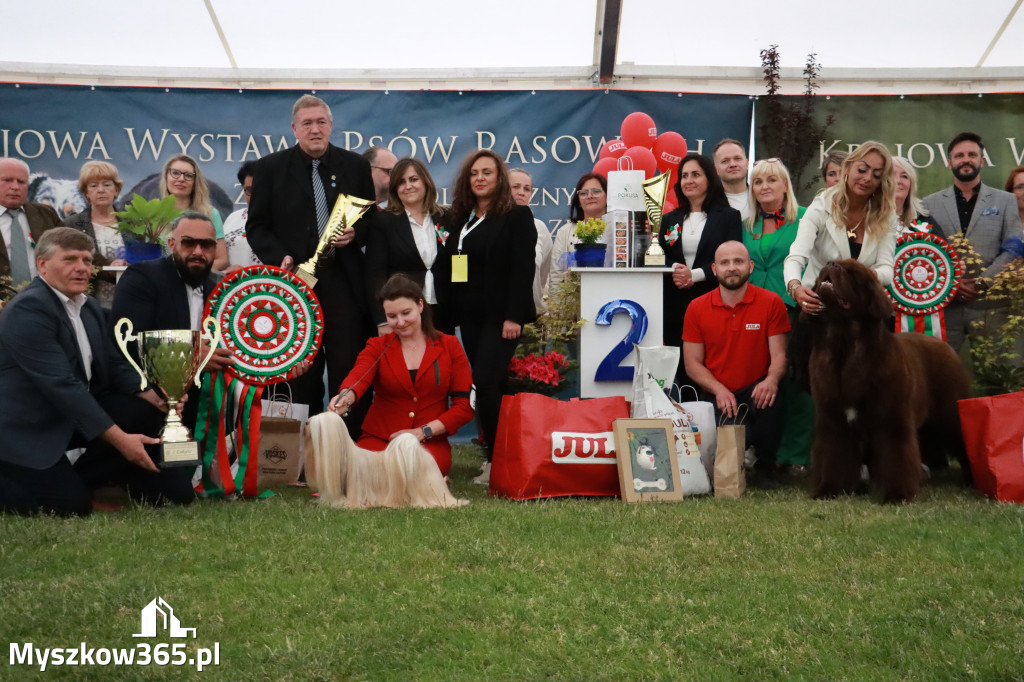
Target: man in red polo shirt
<point>734,346</point>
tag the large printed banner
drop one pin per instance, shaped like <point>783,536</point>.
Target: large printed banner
<point>556,135</point>
<point>919,127</point>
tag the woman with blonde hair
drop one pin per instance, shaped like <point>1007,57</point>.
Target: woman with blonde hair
<point>772,226</point>
<point>182,178</point>
<point>909,207</point>
<point>854,219</point>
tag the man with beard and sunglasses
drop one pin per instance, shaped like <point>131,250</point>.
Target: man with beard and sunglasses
<point>734,347</point>
<point>171,292</point>
<point>985,216</point>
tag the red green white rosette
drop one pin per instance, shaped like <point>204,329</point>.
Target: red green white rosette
<point>926,274</point>
<point>269,319</point>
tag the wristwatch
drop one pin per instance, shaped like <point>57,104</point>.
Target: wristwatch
<point>428,433</point>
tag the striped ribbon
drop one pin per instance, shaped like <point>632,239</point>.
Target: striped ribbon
<point>241,402</point>
<point>932,325</point>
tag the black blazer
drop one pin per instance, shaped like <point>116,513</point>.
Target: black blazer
<point>391,248</point>
<point>282,216</point>
<point>46,397</point>
<point>152,295</point>
<point>501,266</point>
<point>724,224</point>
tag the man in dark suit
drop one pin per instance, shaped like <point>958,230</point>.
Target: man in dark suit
<point>17,259</point>
<point>62,389</point>
<point>171,292</point>
<point>286,215</point>
<point>985,216</point>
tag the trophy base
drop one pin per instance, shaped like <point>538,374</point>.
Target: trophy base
<point>178,454</point>
<point>305,273</point>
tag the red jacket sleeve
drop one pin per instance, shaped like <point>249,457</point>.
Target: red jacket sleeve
<point>367,365</point>
<point>459,413</point>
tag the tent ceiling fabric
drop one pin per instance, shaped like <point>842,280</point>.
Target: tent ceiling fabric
<point>374,40</point>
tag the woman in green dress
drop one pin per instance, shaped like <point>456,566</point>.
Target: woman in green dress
<point>768,233</point>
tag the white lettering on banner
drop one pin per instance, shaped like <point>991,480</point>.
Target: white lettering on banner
<point>438,145</point>
<point>913,158</point>
<point>250,148</point>
<point>582,448</point>
<point>184,145</point>
<point>348,140</point>
<point>517,149</point>
<point>1018,157</point>
<point>147,138</point>
<point>536,145</point>
<point>59,146</point>
<point>21,150</point>
<point>554,149</point>
<point>590,148</point>
<point>283,143</point>
<point>480,139</point>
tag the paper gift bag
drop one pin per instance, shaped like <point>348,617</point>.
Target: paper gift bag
<point>279,459</point>
<point>701,415</point>
<point>625,189</point>
<point>730,477</point>
<point>993,430</point>
<point>278,403</point>
<point>550,448</point>
<point>651,402</point>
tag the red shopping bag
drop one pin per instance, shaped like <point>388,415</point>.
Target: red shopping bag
<point>551,448</point>
<point>993,429</point>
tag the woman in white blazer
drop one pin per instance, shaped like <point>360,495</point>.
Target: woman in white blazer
<point>854,219</point>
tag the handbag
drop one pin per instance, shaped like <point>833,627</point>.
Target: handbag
<point>730,476</point>
<point>993,431</point>
<point>552,448</point>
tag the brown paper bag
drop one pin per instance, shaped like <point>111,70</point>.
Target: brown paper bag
<point>279,461</point>
<point>730,477</point>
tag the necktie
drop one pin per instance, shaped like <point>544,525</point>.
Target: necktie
<point>20,271</point>
<point>320,199</point>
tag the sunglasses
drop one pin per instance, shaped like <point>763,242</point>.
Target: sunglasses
<point>190,243</point>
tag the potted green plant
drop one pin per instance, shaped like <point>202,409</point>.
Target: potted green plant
<point>590,251</point>
<point>144,226</point>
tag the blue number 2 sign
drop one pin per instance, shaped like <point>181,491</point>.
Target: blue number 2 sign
<point>610,369</point>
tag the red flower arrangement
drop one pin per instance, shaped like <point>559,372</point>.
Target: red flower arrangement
<point>541,371</point>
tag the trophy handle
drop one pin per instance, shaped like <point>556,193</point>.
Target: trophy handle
<point>123,334</point>
<point>211,334</point>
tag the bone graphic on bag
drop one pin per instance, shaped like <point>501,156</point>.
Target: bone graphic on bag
<point>582,448</point>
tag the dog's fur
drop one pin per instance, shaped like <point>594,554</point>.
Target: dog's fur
<point>880,398</point>
<point>346,475</point>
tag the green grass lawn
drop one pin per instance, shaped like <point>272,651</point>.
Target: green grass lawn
<point>773,586</point>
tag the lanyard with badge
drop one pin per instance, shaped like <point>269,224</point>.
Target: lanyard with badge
<point>460,261</point>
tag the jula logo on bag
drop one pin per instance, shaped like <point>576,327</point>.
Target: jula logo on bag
<point>582,448</point>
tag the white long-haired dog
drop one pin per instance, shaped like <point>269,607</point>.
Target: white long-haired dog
<point>346,475</point>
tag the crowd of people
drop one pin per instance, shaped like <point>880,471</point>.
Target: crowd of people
<point>395,287</point>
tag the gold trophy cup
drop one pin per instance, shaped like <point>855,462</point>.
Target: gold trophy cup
<point>655,191</point>
<point>170,362</point>
<point>347,210</point>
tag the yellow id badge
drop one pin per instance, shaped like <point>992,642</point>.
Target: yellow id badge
<point>460,268</point>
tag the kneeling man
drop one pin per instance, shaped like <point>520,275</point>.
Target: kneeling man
<point>734,346</point>
<point>61,388</point>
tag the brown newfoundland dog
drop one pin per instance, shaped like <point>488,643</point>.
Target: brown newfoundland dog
<point>880,397</point>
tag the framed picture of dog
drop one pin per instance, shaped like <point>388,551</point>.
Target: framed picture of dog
<point>646,456</point>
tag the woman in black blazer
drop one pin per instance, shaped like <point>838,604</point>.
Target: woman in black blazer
<point>407,238</point>
<point>491,256</point>
<point>690,235</point>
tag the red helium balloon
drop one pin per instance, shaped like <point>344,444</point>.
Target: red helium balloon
<point>638,130</point>
<point>669,150</point>
<point>612,149</point>
<point>642,159</point>
<point>604,165</point>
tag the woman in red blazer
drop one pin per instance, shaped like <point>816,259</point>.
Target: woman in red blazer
<point>421,378</point>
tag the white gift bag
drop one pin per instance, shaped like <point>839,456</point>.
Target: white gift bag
<point>701,415</point>
<point>625,190</point>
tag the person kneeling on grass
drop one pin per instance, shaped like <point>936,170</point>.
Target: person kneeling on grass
<point>62,387</point>
<point>421,378</point>
<point>734,346</point>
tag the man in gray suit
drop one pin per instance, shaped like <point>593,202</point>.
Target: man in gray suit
<point>21,224</point>
<point>986,216</point>
<point>61,388</point>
